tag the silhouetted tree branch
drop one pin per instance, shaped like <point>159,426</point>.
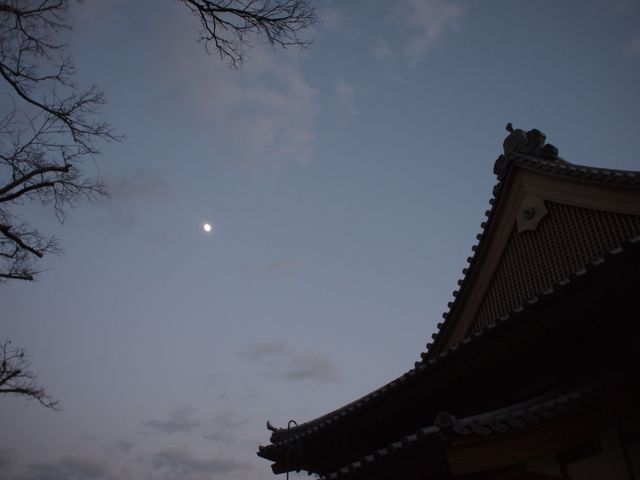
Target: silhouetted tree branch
<point>47,130</point>
<point>228,25</point>
<point>48,125</point>
<point>17,379</point>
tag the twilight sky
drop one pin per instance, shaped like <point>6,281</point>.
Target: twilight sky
<point>345,186</point>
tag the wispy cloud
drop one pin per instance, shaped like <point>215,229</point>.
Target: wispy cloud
<point>265,350</point>
<point>224,426</point>
<point>144,183</point>
<point>331,18</point>
<point>345,93</point>
<point>280,361</point>
<point>286,265</point>
<point>120,447</point>
<point>130,191</point>
<point>634,45</point>
<point>180,420</point>
<point>68,468</point>
<point>381,49</point>
<point>264,114</point>
<point>428,21</point>
<point>612,7</point>
<point>6,459</point>
<point>311,366</point>
<point>178,462</point>
<point>618,7</point>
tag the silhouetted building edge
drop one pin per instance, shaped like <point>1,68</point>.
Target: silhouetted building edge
<point>534,371</point>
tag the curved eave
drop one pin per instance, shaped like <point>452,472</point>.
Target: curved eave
<point>284,439</point>
<point>513,419</point>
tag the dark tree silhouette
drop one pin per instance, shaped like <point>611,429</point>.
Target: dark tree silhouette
<point>17,379</point>
<point>48,129</point>
<point>49,126</point>
<point>230,25</point>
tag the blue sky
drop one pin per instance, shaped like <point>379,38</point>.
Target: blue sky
<point>345,185</point>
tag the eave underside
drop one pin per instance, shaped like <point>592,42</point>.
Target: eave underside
<point>584,328</point>
<point>484,445</point>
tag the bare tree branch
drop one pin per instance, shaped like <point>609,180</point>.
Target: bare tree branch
<point>50,127</point>
<point>16,378</point>
<point>229,25</point>
<point>47,132</point>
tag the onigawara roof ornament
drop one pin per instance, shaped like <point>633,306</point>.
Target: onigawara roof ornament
<point>531,143</point>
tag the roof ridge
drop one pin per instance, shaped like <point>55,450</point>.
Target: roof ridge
<point>564,168</point>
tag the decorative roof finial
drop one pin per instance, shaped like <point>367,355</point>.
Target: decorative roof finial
<point>530,143</point>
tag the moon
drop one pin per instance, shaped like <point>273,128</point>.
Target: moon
<point>206,227</point>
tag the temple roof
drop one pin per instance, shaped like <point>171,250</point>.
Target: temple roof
<point>524,151</point>
<point>283,437</point>
<point>525,154</point>
<point>534,412</point>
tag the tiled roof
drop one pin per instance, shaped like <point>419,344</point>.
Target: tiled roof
<point>283,437</point>
<point>531,412</point>
<point>514,417</point>
<point>538,157</point>
<point>551,165</point>
<point>564,168</point>
<point>404,444</point>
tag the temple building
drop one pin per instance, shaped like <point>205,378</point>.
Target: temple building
<point>534,372</point>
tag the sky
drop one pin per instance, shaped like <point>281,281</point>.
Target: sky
<point>345,185</point>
